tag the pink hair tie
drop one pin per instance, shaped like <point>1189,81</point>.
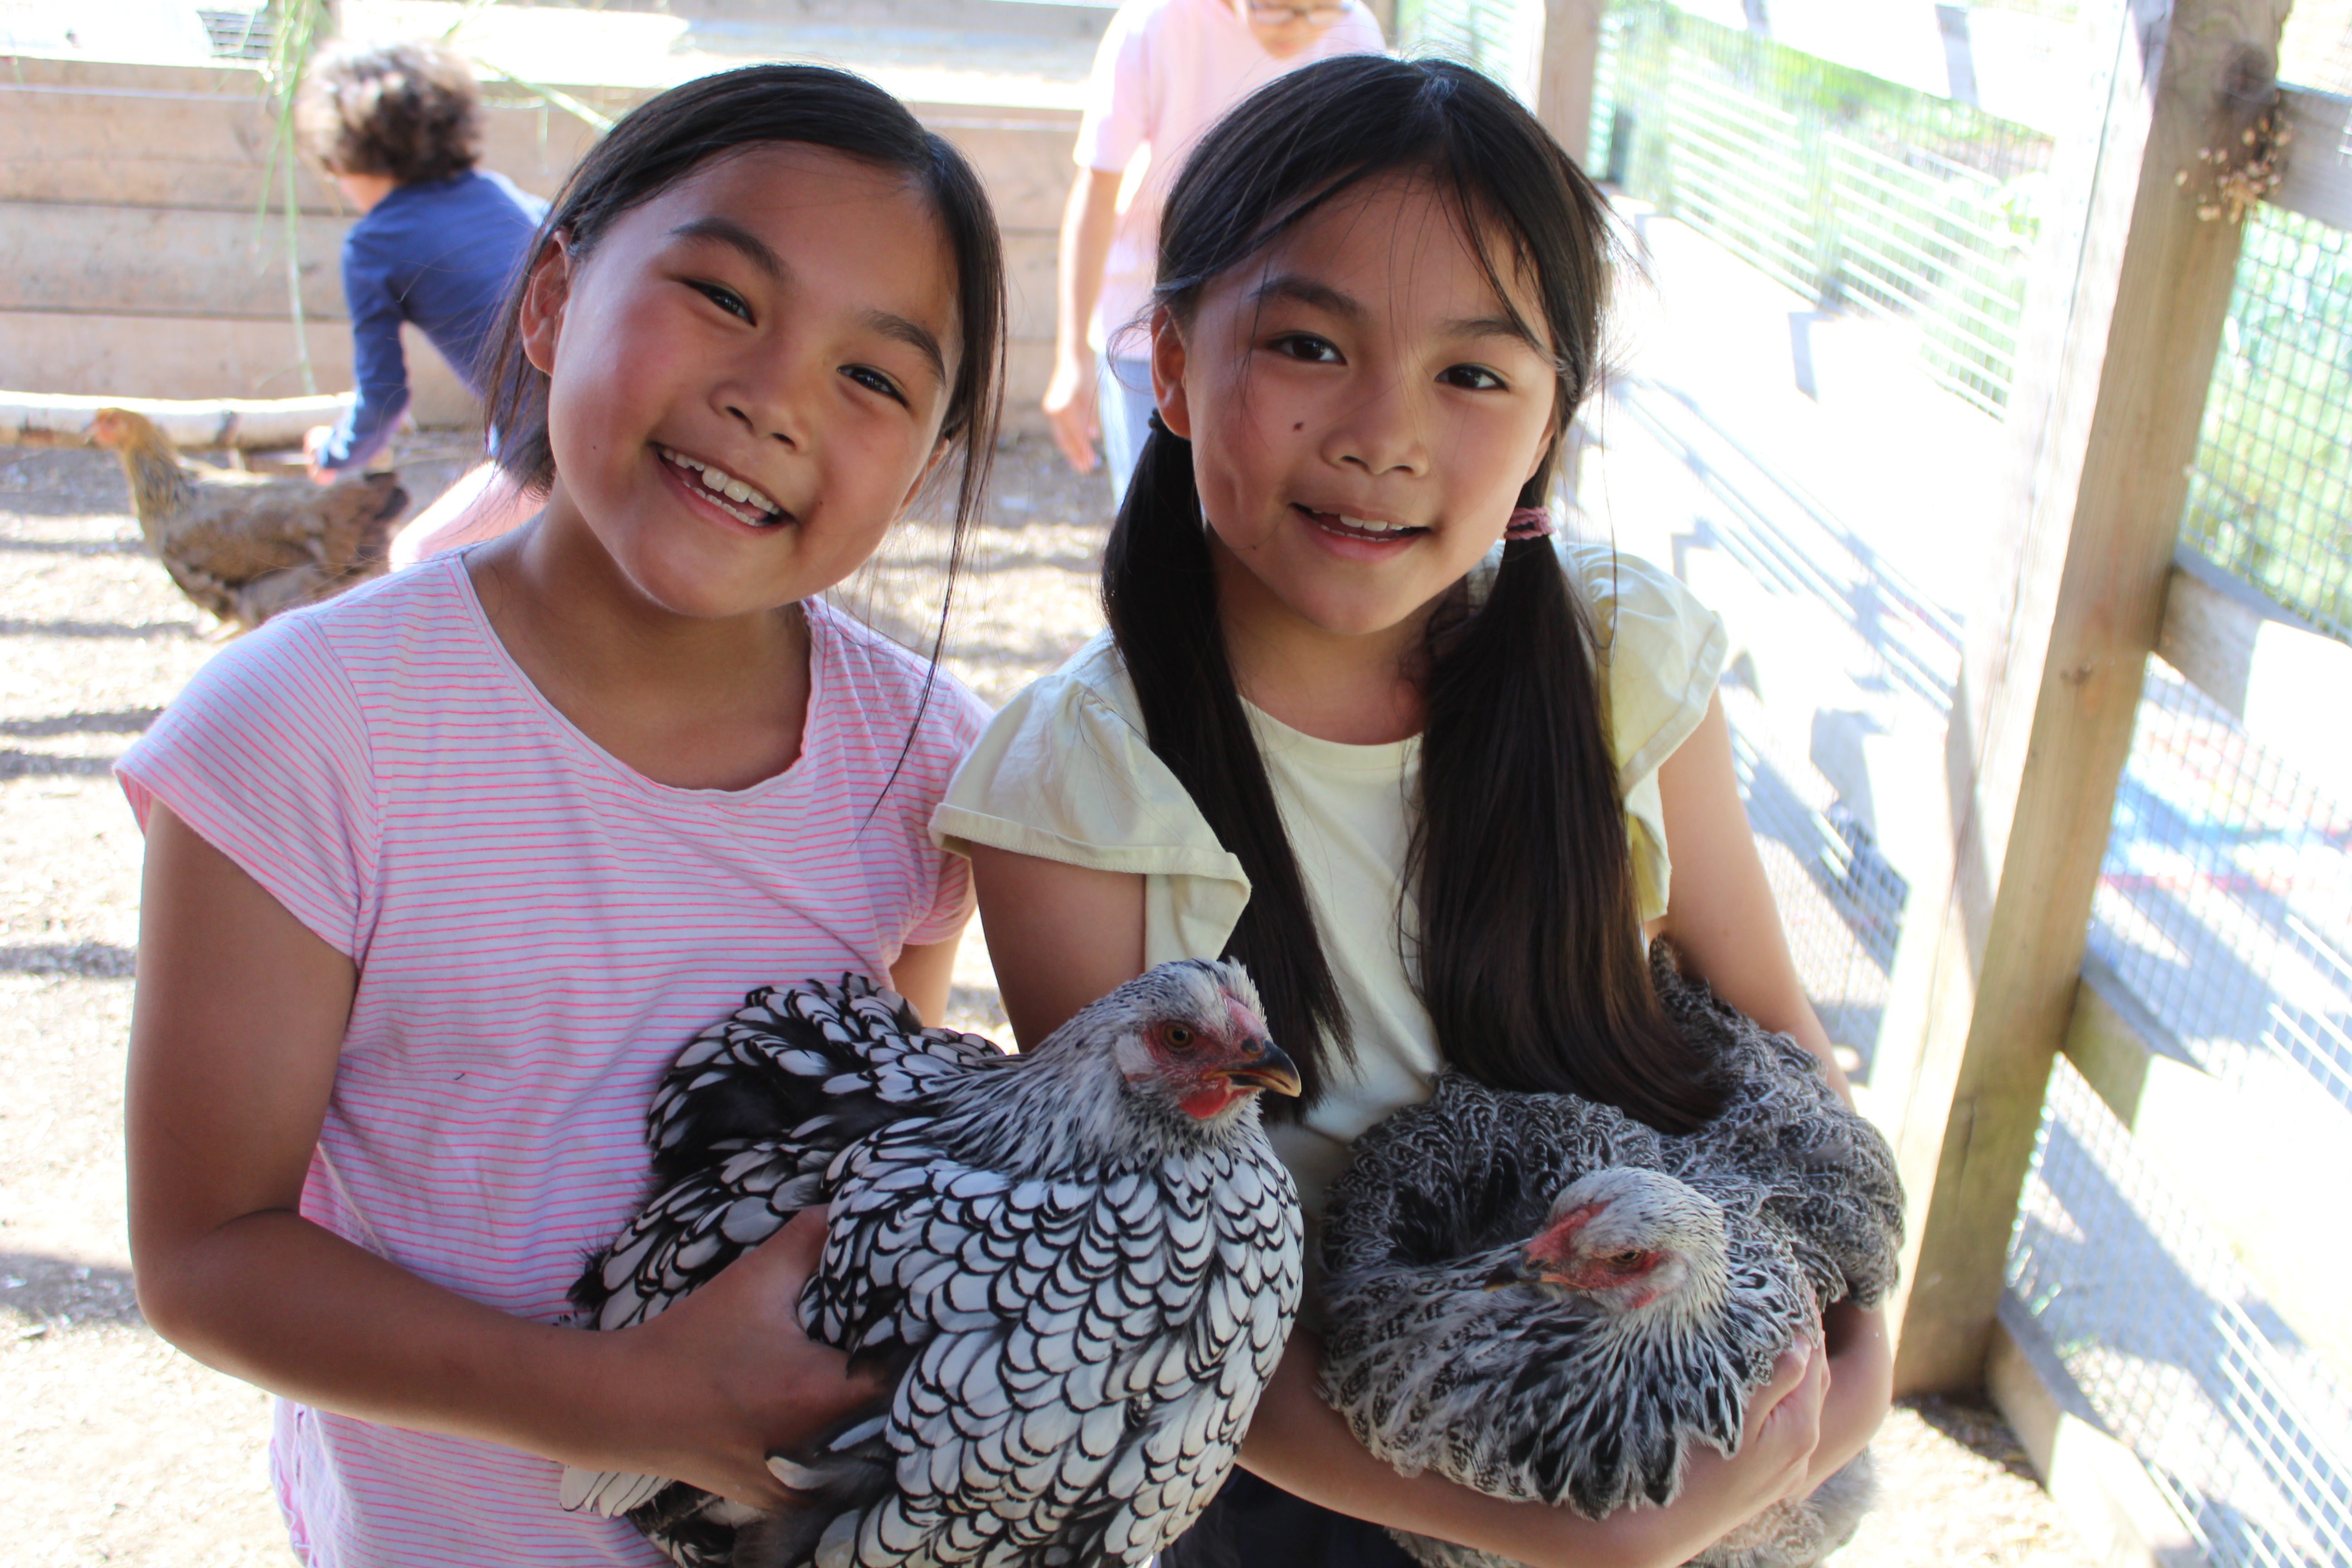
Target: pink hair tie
<point>1529,523</point>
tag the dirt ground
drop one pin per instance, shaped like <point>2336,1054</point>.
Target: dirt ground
<point>116,1448</point>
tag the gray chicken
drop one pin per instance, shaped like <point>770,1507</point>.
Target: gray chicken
<point>1079,1264</point>
<point>1546,1299</point>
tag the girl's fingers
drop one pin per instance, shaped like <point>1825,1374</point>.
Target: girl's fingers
<point>1791,1372</point>
<point>788,1258</point>
<point>736,1376</point>
<point>1790,1427</point>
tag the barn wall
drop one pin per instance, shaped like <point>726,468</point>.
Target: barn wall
<point>134,262</point>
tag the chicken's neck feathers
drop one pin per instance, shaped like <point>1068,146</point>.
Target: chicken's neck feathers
<point>160,485</point>
<point>1069,1111</point>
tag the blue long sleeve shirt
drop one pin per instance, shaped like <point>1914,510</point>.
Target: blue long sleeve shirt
<point>440,253</point>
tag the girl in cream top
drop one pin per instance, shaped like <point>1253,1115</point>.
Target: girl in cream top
<point>1065,773</point>
<point>1358,724</point>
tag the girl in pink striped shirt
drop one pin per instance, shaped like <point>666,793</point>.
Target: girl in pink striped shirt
<point>441,874</point>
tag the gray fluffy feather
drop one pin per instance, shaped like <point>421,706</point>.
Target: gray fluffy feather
<point>1536,1393</point>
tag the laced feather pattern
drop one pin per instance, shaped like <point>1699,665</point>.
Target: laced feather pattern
<point>1079,1265</point>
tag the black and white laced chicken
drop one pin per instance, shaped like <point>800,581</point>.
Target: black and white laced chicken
<point>1546,1299</point>
<point>1080,1264</point>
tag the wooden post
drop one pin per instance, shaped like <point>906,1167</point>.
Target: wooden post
<point>1563,84</point>
<point>2123,324</point>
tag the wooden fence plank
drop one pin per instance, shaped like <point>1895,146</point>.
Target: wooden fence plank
<point>2318,180</point>
<point>1571,51</point>
<point>203,357</point>
<point>2261,663</point>
<point>165,261</point>
<point>2122,1519</point>
<point>53,419</point>
<point>202,146</point>
<point>2115,1043</point>
<point>2125,317</point>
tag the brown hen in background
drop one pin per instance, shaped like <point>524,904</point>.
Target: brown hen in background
<point>248,546</point>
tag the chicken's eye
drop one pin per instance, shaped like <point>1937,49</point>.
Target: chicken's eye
<point>1179,1037</point>
<point>1626,1259</point>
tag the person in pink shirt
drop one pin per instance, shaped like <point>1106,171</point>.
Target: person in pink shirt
<point>441,875</point>
<point>1167,70</point>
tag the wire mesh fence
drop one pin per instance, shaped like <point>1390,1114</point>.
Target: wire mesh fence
<point>2172,1271</point>
<point>1498,36</point>
<point>2271,495</point>
<point>2242,1427</point>
<point>1856,191</point>
<point>2227,890</point>
<point>1887,655</point>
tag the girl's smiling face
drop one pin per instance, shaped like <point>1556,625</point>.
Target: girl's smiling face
<point>748,375</point>
<point>1362,412</point>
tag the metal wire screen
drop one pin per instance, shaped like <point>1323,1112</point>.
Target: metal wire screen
<point>2207,1330</point>
<point>1856,191</point>
<point>2241,1428</point>
<point>2271,495</point>
<point>1889,656</point>
<point>2187,1267</point>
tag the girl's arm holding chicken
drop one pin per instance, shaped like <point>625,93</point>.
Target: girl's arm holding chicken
<point>1061,935</point>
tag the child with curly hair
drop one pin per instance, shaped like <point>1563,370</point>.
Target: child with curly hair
<point>398,127</point>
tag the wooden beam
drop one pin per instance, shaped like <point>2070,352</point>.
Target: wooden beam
<point>2319,180</point>
<point>1571,51</point>
<point>56,419</point>
<point>2122,1519</point>
<point>2261,663</point>
<point>2115,1043</point>
<point>2125,319</point>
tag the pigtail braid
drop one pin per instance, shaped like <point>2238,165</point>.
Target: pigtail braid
<point>1530,958</point>
<point>1160,597</point>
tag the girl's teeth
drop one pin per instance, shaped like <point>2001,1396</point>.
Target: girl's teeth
<point>1365,525</point>
<point>719,482</point>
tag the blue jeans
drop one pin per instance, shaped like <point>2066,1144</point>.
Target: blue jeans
<point>1123,404</point>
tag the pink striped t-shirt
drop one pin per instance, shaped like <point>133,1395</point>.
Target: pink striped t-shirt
<point>539,928</point>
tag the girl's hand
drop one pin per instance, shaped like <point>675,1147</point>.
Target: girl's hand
<point>1862,1384</point>
<point>1069,406</point>
<point>1775,1462</point>
<point>733,1376</point>
<point>314,442</point>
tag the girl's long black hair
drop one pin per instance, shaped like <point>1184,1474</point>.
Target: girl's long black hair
<point>1528,957</point>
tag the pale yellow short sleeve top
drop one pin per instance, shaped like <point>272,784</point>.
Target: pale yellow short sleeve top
<point>1064,773</point>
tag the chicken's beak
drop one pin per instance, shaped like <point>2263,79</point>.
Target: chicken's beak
<point>1262,1065</point>
<point>1516,1272</point>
